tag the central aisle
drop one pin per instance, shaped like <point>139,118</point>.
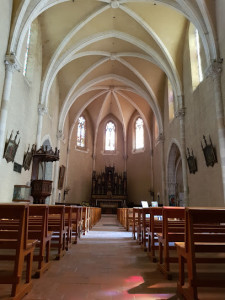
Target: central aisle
<point>105,264</point>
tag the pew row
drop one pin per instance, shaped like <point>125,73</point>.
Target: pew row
<point>204,234</point>
<point>16,247</point>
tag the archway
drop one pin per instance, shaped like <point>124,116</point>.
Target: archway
<point>175,177</point>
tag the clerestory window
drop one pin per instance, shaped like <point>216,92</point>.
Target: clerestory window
<point>110,136</point>
<point>81,132</point>
<point>139,134</point>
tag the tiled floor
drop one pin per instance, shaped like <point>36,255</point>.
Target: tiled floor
<point>105,264</point>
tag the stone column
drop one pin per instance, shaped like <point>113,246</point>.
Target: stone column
<point>180,114</point>
<point>161,140</point>
<point>56,171</point>
<point>11,64</point>
<point>42,110</point>
<point>94,161</point>
<point>214,71</point>
<point>125,157</point>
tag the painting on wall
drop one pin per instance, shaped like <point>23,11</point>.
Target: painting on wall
<point>172,201</point>
<point>209,153</point>
<point>192,162</point>
<point>11,148</point>
<point>28,158</point>
<point>62,170</point>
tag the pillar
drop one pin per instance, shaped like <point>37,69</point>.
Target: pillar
<point>214,71</point>
<point>42,110</point>
<point>180,115</point>
<point>161,140</point>
<point>11,64</point>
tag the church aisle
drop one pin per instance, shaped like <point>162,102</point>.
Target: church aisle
<point>105,264</point>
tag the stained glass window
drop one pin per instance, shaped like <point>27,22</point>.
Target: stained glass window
<point>81,132</point>
<point>139,134</point>
<point>110,136</point>
<point>27,52</point>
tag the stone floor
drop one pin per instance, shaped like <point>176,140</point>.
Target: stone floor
<point>106,264</point>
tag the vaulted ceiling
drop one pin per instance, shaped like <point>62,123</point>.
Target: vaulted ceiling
<point>112,57</point>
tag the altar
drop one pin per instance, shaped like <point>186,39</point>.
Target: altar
<point>109,190</point>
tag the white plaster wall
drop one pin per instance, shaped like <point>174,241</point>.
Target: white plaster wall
<point>5,20</point>
<point>138,169</point>
<point>22,116</point>
<point>220,11</point>
<point>79,169</point>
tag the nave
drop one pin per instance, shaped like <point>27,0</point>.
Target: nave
<point>107,263</point>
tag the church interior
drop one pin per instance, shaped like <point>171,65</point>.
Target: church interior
<point>108,103</point>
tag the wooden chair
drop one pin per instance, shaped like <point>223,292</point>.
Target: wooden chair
<point>172,231</point>
<point>15,246</point>
<point>204,233</point>
<point>155,227</point>
<point>56,223</point>
<point>129,219</point>
<point>38,229</point>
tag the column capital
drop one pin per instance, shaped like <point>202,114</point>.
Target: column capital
<point>180,113</point>
<point>161,138</point>
<point>12,63</point>
<point>60,135</point>
<point>215,68</point>
<point>42,109</point>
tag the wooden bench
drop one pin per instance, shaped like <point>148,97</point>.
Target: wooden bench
<point>135,222</point>
<point>16,247</point>
<point>68,225</point>
<point>129,218</point>
<point>172,231</point>
<point>139,225</point>
<point>155,227</point>
<point>145,226</point>
<point>204,233</point>
<point>76,223</point>
<point>86,219</point>
<point>56,223</point>
<point>38,229</point>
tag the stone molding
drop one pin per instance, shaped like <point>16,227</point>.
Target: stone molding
<point>11,62</point>
<point>215,68</point>
<point>115,4</point>
<point>42,109</point>
<point>180,113</point>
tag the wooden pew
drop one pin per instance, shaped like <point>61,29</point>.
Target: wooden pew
<point>76,223</point>
<point>139,225</point>
<point>145,226</point>
<point>135,222</point>
<point>86,219</point>
<point>56,223</point>
<point>129,218</point>
<point>38,229</point>
<point>15,247</point>
<point>155,227</point>
<point>172,231</point>
<point>68,225</point>
<point>204,233</point>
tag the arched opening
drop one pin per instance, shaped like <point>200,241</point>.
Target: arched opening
<point>175,177</point>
